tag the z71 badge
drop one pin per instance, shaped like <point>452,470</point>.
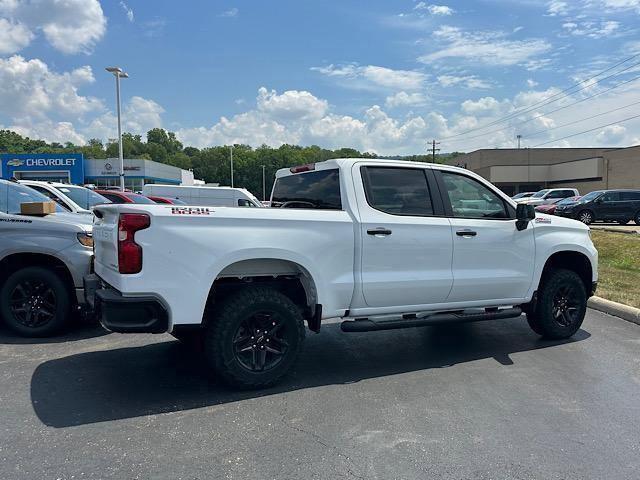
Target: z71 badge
<point>191,211</point>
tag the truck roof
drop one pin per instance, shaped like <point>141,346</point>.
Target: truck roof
<point>347,162</point>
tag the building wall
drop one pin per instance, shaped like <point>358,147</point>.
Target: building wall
<point>586,169</point>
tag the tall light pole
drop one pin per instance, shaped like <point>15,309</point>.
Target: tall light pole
<point>518,137</point>
<point>119,73</point>
<point>264,185</point>
<point>231,157</point>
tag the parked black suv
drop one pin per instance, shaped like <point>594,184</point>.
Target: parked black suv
<point>604,205</point>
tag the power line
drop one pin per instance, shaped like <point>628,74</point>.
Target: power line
<point>583,120</point>
<point>548,100</point>
<point>549,112</point>
<point>587,131</point>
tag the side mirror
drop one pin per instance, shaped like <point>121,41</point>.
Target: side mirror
<point>524,214</point>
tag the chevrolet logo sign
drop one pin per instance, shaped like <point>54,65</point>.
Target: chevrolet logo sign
<point>16,162</point>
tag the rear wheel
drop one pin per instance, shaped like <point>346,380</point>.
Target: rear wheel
<point>254,337</point>
<point>35,302</point>
<point>586,217</point>
<point>561,305</point>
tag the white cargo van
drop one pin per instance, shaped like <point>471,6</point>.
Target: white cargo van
<point>204,196</point>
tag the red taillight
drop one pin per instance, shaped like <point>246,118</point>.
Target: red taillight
<point>129,252</point>
<point>303,168</point>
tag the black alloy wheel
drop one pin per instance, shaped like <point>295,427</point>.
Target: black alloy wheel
<point>259,343</point>
<point>566,305</point>
<point>33,303</point>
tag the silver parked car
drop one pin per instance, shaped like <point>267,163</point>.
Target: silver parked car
<point>42,262</point>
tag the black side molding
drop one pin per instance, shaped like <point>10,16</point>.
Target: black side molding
<point>368,325</point>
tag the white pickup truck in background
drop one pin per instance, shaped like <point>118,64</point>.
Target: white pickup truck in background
<point>381,244</point>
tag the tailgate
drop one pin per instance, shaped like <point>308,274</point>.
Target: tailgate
<point>105,239</point>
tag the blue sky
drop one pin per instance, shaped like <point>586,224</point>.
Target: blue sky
<point>382,76</point>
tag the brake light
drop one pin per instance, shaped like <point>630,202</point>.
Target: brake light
<point>303,168</point>
<point>129,252</point>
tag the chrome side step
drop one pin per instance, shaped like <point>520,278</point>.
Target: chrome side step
<point>411,320</point>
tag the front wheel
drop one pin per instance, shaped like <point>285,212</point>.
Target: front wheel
<point>254,337</point>
<point>561,305</point>
<point>35,302</point>
<point>586,217</point>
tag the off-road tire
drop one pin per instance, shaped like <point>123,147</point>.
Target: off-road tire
<point>60,292</point>
<point>228,319</point>
<point>545,320</point>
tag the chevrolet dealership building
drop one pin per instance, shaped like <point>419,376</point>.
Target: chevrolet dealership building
<point>73,168</point>
<point>532,169</point>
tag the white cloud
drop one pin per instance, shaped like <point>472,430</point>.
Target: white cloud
<point>483,106</point>
<point>404,99</point>
<point>14,36</point>
<point>29,89</point>
<point>557,8</point>
<point>612,134</point>
<point>485,47</point>
<point>127,11</point>
<point>531,83</point>
<point>291,105</point>
<point>368,76</point>
<point>592,29</point>
<point>312,123</point>
<point>614,5</point>
<point>139,115</point>
<point>232,12</point>
<point>468,81</point>
<point>50,131</point>
<point>434,9</point>
<point>70,26</point>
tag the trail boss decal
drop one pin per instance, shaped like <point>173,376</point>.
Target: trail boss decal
<point>543,220</point>
<point>191,211</point>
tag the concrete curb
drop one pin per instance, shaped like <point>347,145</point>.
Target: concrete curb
<point>625,312</point>
<point>616,230</point>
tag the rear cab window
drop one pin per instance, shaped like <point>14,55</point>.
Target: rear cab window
<point>311,190</point>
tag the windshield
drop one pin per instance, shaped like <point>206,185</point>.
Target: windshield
<point>592,196</point>
<point>18,194</point>
<point>540,194</point>
<point>566,201</point>
<point>84,197</point>
<point>135,198</point>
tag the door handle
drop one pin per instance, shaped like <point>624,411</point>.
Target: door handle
<point>379,231</point>
<point>466,233</point>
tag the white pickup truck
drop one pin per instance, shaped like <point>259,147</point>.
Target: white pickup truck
<point>380,244</point>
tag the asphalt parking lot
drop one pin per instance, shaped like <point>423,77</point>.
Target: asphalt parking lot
<point>474,401</point>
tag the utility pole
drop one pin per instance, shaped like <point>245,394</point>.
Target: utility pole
<point>264,185</point>
<point>518,137</point>
<point>231,157</point>
<point>434,150</point>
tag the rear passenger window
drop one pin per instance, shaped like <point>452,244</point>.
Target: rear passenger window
<point>319,190</point>
<point>630,196</point>
<point>611,197</point>
<point>398,191</point>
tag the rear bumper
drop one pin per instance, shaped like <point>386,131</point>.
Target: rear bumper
<point>117,313</point>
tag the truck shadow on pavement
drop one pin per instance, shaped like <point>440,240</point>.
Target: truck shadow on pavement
<point>166,377</point>
<point>77,331</point>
